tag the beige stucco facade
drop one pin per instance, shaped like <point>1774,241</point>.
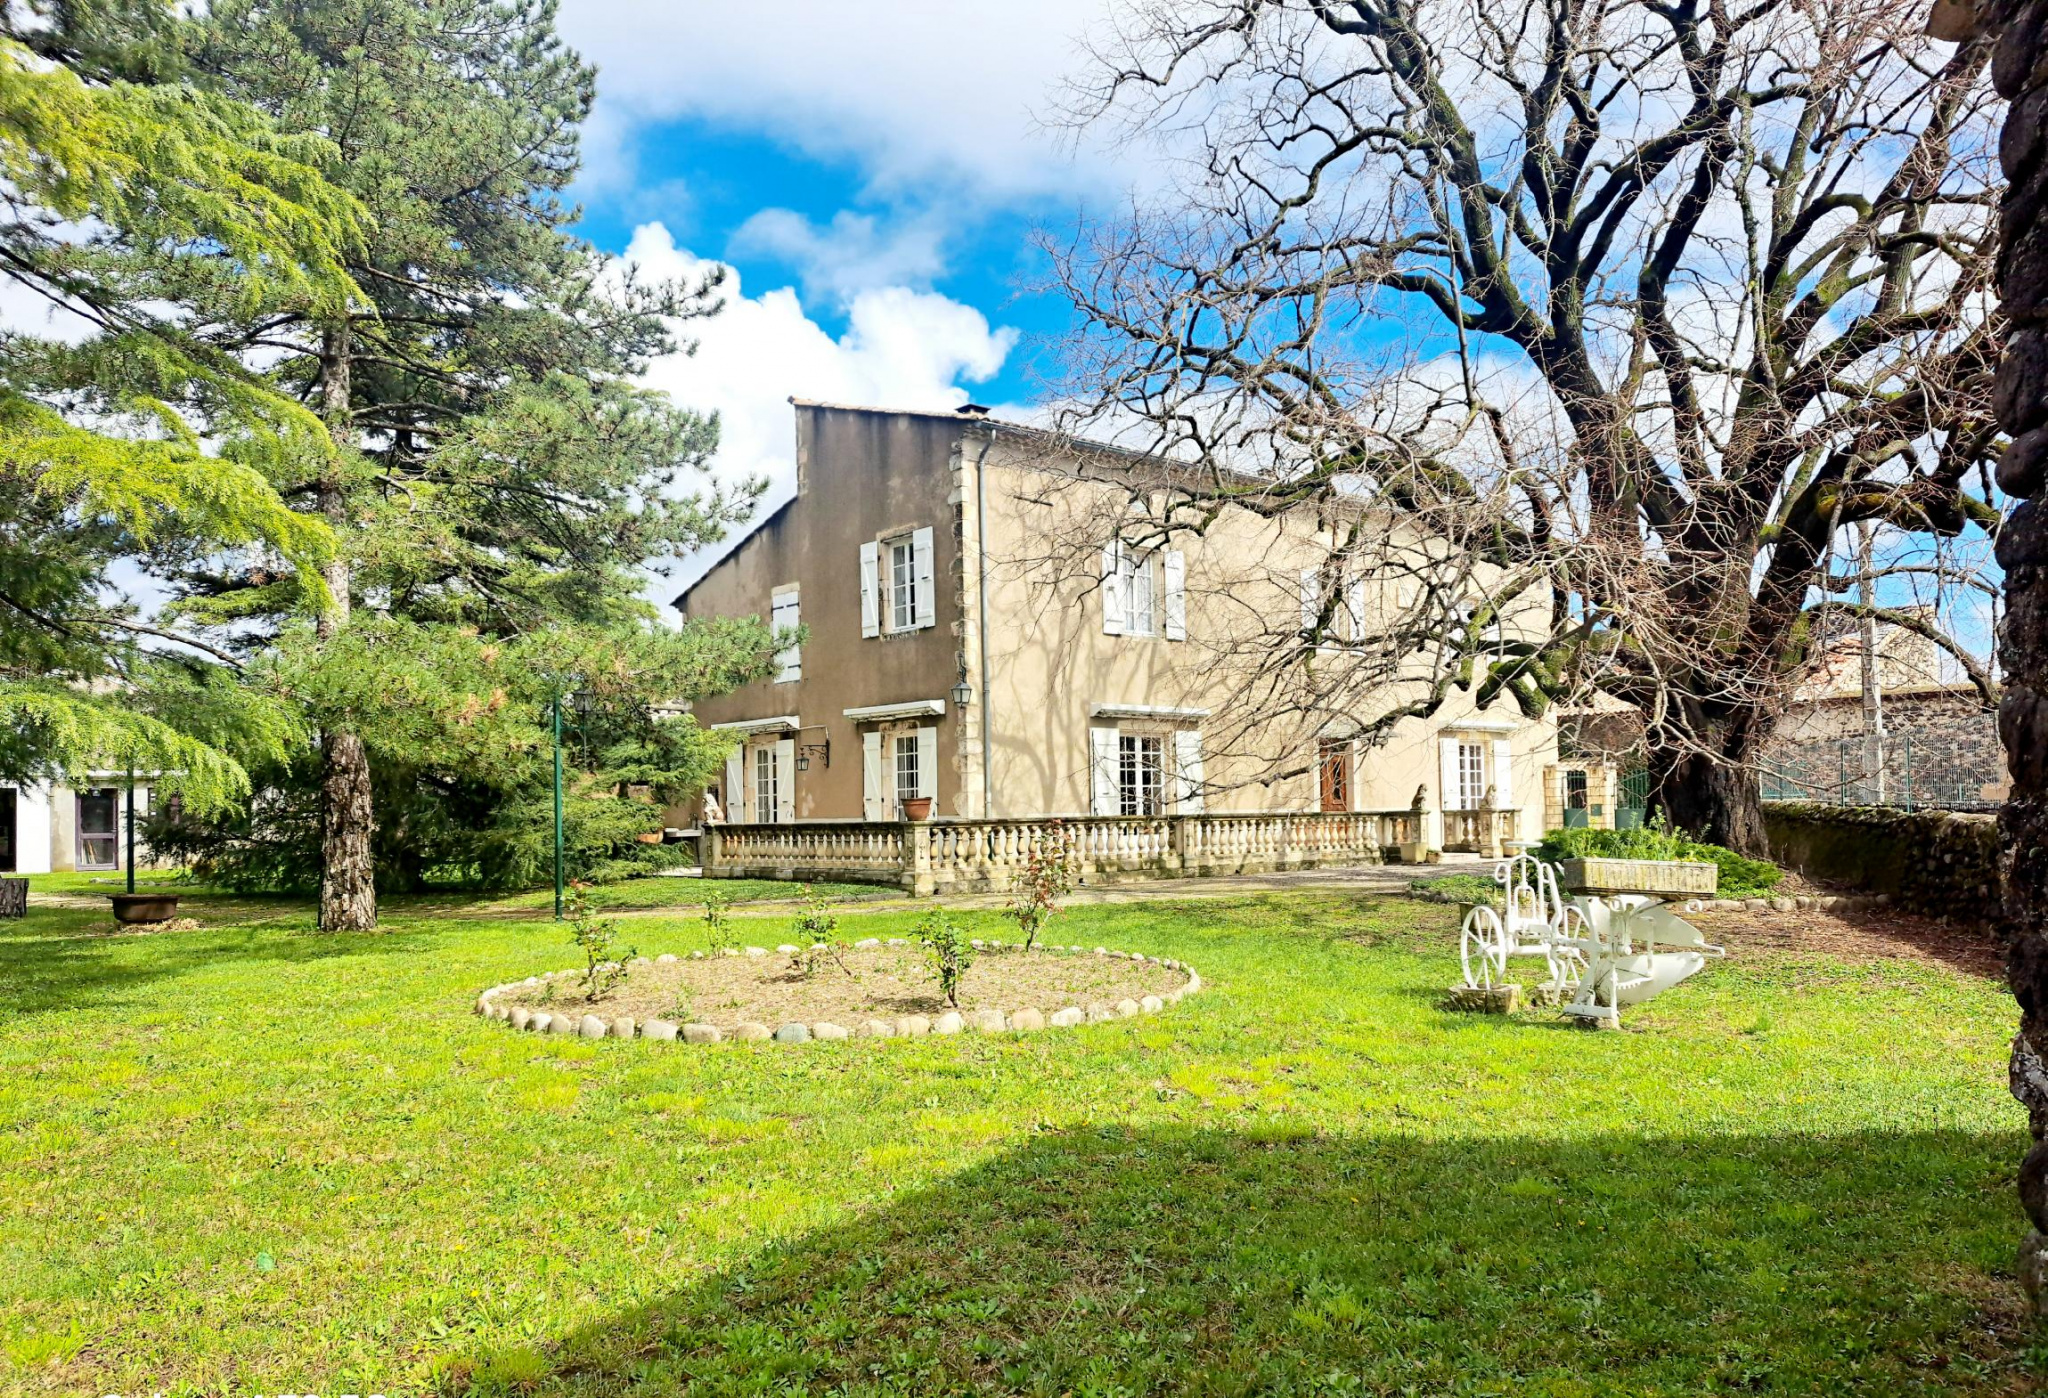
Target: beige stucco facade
<point>1094,680</point>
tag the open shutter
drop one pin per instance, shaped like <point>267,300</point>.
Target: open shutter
<point>789,661</point>
<point>1102,770</point>
<point>1311,598</point>
<point>1503,773</point>
<point>785,779</point>
<point>928,765</point>
<point>870,574</point>
<point>1187,762</point>
<point>1176,565</point>
<point>1354,605</point>
<point>874,802</point>
<point>735,786</point>
<point>921,565</point>
<point>1113,596</point>
<point>1447,750</point>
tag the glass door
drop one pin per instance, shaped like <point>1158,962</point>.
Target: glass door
<point>99,829</point>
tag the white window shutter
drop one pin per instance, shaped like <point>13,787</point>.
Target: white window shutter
<point>870,579</point>
<point>785,779</point>
<point>1176,595</point>
<point>1311,598</point>
<point>1354,603</point>
<point>1503,773</point>
<point>921,567</point>
<point>874,798</point>
<point>736,785</point>
<point>928,764</point>
<point>1447,749</point>
<point>1187,761</point>
<point>1113,597</point>
<point>1102,770</point>
<point>789,661</point>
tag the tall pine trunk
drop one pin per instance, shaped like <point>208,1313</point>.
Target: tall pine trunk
<point>348,872</point>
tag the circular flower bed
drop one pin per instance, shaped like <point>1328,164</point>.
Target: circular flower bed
<point>875,989</point>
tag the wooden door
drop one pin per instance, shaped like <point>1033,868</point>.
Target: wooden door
<point>1336,783</point>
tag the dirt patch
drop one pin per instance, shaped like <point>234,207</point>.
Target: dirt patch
<point>873,984</point>
<point>1867,934</point>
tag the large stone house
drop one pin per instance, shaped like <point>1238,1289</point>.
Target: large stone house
<point>957,650</point>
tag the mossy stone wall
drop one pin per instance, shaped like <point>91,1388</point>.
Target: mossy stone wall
<point>1933,862</point>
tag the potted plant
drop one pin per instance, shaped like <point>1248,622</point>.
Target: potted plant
<point>917,808</point>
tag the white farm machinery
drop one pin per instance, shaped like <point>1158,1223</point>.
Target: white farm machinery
<point>1613,942</point>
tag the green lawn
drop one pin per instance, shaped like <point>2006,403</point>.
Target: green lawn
<point>254,1160</point>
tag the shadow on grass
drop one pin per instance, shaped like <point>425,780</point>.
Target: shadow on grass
<point>1109,1261</point>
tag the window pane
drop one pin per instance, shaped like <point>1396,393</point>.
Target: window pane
<point>907,769</point>
<point>902,586</point>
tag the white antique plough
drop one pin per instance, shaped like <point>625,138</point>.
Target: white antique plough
<point>1614,943</point>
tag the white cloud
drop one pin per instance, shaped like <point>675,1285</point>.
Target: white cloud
<point>852,255</point>
<point>915,90</point>
<point>902,349</point>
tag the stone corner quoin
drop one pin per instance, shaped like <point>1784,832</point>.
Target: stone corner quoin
<point>1025,1020</point>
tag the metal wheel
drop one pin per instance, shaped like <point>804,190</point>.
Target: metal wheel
<point>1483,947</point>
<point>1567,963</point>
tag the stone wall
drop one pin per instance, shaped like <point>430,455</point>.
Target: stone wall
<point>1941,747</point>
<point>1934,862</point>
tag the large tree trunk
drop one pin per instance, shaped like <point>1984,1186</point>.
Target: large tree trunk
<point>2020,69</point>
<point>1706,784</point>
<point>348,884</point>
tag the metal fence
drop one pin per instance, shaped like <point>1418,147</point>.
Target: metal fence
<point>1833,774</point>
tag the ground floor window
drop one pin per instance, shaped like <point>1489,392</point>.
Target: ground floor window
<point>1471,776</point>
<point>1141,774</point>
<point>767,786</point>
<point>909,755</point>
<point>99,828</point>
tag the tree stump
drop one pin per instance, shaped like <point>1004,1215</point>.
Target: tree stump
<point>13,897</point>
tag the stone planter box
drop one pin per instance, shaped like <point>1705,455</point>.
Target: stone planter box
<point>1658,878</point>
<point>135,908</point>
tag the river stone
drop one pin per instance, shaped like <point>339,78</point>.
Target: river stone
<point>665,958</point>
<point>642,961</point>
<point>520,1014</point>
<point>1194,984</point>
<point>1098,1013</point>
<point>562,1024</point>
<point>1783,905</point>
<point>622,1027</point>
<point>782,949</point>
<point>711,1033</point>
<point>591,1027</point>
<point>988,1021</point>
<point>896,942</point>
<point>977,943</point>
<point>1026,1019</point>
<point>867,944</point>
<point>1127,1007</point>
<point>911,1026</point>
<point>483,1005</point>
<point>948,1023</point>
<point>1151,1004</point>
<point>793,1033</point>
<point>1067,1018</point>
<point>1102,951</point>
<point>826,1029</point>
<point>877,1029</point>
<point>757,951</point>
<point>750,1029</point>
<point>658,1029</point>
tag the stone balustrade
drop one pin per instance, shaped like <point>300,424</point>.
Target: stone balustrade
<point>974,856</point>
<point>1482,831</point>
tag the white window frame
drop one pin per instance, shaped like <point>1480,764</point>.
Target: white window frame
<point>1471,775</point>
<point>785,612</point>
<point>766,791</point>
<point>1141,770</point>
<point>899,583</point>
<point>1131,601</point>
<point>897,574</point>
<point>906,756</point>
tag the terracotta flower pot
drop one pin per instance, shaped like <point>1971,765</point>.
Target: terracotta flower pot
<point>136,908</point>
<point>917,808</point>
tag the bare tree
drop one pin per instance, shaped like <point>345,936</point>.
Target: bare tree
<point>1651,301</point>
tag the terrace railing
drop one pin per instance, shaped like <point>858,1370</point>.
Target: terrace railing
<point>987,855</point>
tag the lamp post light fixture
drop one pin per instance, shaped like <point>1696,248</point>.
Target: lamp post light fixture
<point>963,694</point>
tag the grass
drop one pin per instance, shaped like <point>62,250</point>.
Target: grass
<point>255,1159</point>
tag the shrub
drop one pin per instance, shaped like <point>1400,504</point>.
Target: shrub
<point>816,935</point>
<point>598,938</point>
<point>1048,877</point>
<point>1740,877</point>
<point>1457,888</point>
<point>948,952</point>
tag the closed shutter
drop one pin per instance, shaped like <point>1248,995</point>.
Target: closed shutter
<point>1447,791</point>
<point>735,785</point>
<point>1354,604</point>
<point>928,764</point>
<point>789,661</point>
<point>1176,595</point>
<point>1187,762</point>
<point>921,566</point>
<point>1311,599</point>
<point>870,575</point>
<point>874,800</point>
<point>1113,597</point>
<point>1503,773</point>
<point>1102,770</point>
<point>785,779</point>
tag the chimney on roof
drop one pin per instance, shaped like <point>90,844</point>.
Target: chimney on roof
<point>973,410</point>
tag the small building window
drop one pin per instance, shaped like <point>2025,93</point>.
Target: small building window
<point>1141,774</point>
<point>909,769</point>
<point>99,829</point>
<point>902,584</point>
<point>1471,776</point>
<point>767,786</point>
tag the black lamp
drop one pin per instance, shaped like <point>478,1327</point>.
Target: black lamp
<point>963,693</point>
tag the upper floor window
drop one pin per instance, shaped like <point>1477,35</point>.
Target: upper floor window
<point>1134,586</point>
<point>789,661</point>
<point>896,587</point>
